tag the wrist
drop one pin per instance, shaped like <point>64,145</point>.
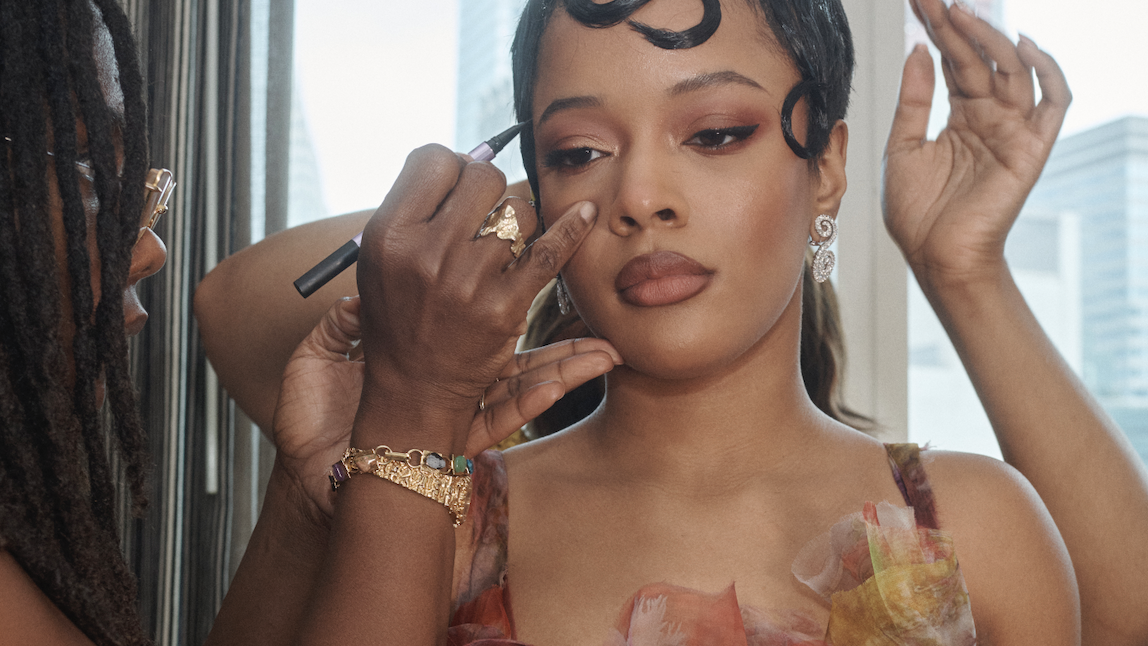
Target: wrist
<point>971,298</point>
<point>287,505</point>
<point>405,417</point>
<point>947,284</point>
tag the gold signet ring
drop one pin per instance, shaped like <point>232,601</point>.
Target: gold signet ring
<point>503,223</point>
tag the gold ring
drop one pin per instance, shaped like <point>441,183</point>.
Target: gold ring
<point>503,223</point>
<point>482,402</point>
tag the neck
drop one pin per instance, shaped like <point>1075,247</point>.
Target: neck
<point>753,414</point>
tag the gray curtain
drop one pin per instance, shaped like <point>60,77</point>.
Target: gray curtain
<point>215,121</point>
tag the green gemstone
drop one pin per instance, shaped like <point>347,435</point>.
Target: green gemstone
<point>460,464</point>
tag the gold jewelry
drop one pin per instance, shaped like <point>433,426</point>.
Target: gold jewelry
<point>503,223</point>
<point>482,402</point>
<point>823,259</point>
<point>424,472</point>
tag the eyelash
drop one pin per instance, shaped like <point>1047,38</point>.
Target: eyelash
<point>737,133</point>
<point>571,158</point>
<point>580,157</point>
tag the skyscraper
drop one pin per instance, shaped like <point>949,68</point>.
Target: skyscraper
<point>485,92</point>
<point>1102,174</point>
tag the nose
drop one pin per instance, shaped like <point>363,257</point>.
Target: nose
<point>148,256</point>
<point>648,195</point>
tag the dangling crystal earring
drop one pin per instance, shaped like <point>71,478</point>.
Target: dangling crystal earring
<point>563,297</point>
<point>823,258</point>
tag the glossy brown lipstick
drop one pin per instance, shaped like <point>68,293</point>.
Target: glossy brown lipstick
<point>661,278</point>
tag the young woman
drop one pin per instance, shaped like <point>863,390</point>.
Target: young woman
<point>75,212</point>
<point>707,480</point>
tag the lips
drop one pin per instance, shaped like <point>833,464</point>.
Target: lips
<point>661,278</point>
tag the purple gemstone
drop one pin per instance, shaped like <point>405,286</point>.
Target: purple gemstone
<point>339,471</point>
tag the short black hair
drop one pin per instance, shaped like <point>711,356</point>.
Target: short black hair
<point>813,33</point>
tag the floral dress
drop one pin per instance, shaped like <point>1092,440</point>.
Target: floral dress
<point>889,575</point>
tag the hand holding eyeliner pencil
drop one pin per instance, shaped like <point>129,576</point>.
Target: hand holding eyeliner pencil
<point>345,256</point>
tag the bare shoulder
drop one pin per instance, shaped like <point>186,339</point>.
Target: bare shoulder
<point>1016,567</point>
<point>27,616</point>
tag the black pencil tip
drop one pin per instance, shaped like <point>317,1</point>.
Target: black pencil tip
<point>499,141</point>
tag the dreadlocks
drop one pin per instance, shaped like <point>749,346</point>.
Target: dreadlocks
<point>57,497</point>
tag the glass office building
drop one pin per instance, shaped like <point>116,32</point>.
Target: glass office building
<point>1102,175</point>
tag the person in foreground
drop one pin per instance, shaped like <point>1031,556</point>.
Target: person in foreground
<point>707,499</point>
<point>77,201</point>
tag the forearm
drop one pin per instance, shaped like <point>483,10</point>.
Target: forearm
<point>390,560</point>
<point>274,581</point>
<point>1053,431</point>
<point>251,318</point>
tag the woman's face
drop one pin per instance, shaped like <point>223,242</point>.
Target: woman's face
<point>149,252</point>
<point>704,211</point>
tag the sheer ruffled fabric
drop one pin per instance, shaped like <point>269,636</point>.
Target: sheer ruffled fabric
<point>887,573</point>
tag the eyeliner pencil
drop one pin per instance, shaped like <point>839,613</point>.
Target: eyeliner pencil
<point>345,256</point>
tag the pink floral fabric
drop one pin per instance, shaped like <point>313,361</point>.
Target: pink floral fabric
<point>889,575</point>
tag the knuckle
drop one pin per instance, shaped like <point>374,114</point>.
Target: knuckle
<point>547,256</point>
<point>486,173</point>
<point>522,361</point>
<point>514,387</point>
<point>433,160</point>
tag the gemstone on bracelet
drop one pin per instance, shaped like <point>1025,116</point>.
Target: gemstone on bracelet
<point>461,464</point>
<point>338,474</point>
<point>366,462</point>
<point>435,461</point>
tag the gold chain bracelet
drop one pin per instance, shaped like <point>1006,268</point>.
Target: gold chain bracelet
<point>426,473</point>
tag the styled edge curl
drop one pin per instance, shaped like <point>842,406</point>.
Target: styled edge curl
<point>611,13</point>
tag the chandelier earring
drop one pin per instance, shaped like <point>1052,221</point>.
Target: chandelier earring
<point>823,259</point>
<point>563,296</point>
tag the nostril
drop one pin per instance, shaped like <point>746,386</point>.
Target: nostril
<point>665,215</point>
<point>629,221</point>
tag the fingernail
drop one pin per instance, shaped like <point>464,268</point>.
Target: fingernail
<point>920,48</point>
<point>964,7</point>
<point>1026,39</point>
<point>587,211</point>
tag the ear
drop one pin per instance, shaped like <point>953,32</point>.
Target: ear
<point>830,181</point>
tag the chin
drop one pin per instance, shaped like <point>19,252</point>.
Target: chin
<point>685,356</point>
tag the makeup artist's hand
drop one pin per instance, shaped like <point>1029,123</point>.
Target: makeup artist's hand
<point>442,310</point>
<point>324,378</point>
<point>950,203</point>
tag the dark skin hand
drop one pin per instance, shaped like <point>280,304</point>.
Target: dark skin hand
<point>251,318</point>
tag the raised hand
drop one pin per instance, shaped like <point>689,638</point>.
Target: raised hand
<point>950,203</point>
<point>442,307</point>
<point>323,380</point>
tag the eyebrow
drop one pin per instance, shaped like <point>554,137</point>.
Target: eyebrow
<point>711,79</point>
<point>569,103</point>
<point>692,84</point>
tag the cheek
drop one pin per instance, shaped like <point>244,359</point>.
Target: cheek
<point>760,215</point>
